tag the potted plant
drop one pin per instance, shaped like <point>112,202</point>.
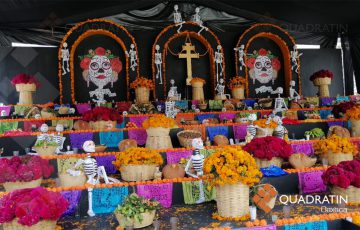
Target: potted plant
<point>344,180</point>
<point>25,84</point>
<point>138,164</point>
<point>314,134</point>
<point>158,129</point>
<point>232,170</point>
<point>31,209</point>
<point>102,118</point>
<point>322,79</point>
<point>353,115</point>
<point>142,88</point>
<point>24,172</point>
<point>336,149</point>
<point>197,85</point>
<point>45,147</point>
<point>136,211</point>
<point>237,87</point>
<point>269,151</point>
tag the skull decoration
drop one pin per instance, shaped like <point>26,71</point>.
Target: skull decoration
<point>263,66</point>
<point>89,146</point>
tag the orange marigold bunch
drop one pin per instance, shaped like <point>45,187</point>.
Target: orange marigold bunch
<point>236,82</point>
<point>353,113</point>
<point>230,166</point>
<point>197,79</point>
<point>138,156</point>
<point>335,144</point>
<point>142,82</point>
<point>263,123</point>
<point>158,122</point>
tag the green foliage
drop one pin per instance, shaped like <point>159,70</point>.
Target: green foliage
<point>315,133</point>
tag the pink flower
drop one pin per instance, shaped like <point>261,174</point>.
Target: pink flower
<point>250,62</point>
<point>262,52</point>
<point>85,63</point>
<point>116,65</point>
<point>100,51</point>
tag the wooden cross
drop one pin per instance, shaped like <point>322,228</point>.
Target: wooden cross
<point>189,54</point>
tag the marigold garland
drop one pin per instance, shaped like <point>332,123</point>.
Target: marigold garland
<point>138,156</point>
<point>335,144</point>
<point>159,122</point>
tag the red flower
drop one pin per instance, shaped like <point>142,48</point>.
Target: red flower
<point>322,74</point>
<point>250,63</point>
<point>343,175</point>
<point>275,63</point>
<point>85,63</point>
<point>102,113</point>
<point>24,78</point>
<point>100,51</point>
<point>262,52</point>
<point>116,65</point>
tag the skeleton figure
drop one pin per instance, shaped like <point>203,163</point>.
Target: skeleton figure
<point>158,62</point>
<point>219,61</point>
<point>92,170</point>
<point>197,19</point>
<point>3,113</point>
<point>293,94</point>
<point>65,56</point>
<point>280,104</point>
<point>251,129</point>
<point>133,57</point>
<point>197,162</point>
<point>59,137</point>
<point>173,94</point>
<point>280,130</point>
<point>177,18</point>
<point>170,110</point>
<point>220,88</point>
<point>294,55</point>
<point>241,54</point>
<point>44,136</point>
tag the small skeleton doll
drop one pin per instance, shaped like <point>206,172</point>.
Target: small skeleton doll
<point>280,130</point>
<point>3,113</point>
<point>251,129</point>
<point>59,137</point>
<point>241,54</point>
<point>294,55</point>
<point>280,104</point>
<point>218,59</point>
<point>170,110</point>
<point>158,62</point>
<point>133,57</point>
<point>44,136</point>
<point>65,56</point>
<point>173,93</point>
<point>220,88</point>
<point>293,94</point>
<point>197,20</point>
<point>177,18</point>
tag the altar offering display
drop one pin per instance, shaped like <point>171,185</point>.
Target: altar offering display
<point>25,84</point>
<point>322,79</point>
<point>237,87</point>
<point>353,115</point>
<point>102,118</point>
<point>158,129</point>
<point>264,127</point>
<point>142,88</point>
<point>138,164</point>
<point>197,85</point>
<point>232,171</point>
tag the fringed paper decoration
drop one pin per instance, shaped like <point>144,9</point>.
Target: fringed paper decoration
<point>105,200</point>
<point>311,182</point>
<point>160,192</point>
<point>78,139</point>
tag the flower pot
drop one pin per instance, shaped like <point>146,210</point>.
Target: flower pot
<point>336,158</point>
<point>68,180</point>
<point>323,85</point>
<point>158,138</point>
<point>25,93</point>
<point>186,136</point>
<point>46,150</point>
<point>232,200</point>
<point>263,163</point>
<point>137,172</point>
<point>102,124</point>
<point>148,218</point>
<point>198,90</point>
<point>238,93</point>
<point>264,132</point>
<point>11,186</point>
<point>355,128</point>
<point>142,95</point>
<point>352,193</point>
<point>41,225</point>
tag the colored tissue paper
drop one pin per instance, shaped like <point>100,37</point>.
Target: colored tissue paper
<point>29,124</point>
<point>73,197</point>
<point>333,123</point>
<point>319,225</point>
<point>139,135</point>
<point>160,192</point>
<point>78,139</point>
<point>273,171</point>
<point>227,116</point>
<point>325,113</point>
<point>82,108</point>
<point>174,157</point>
<point>6,108</point>
<point>306,148</point>
<point>249,102</point>
<point>191,191</point>
<point>138,120</point>
<point>267,227</point>
<point>311,182</point>
<point>111,139</point>
<point>326,101</point>
<point>217,130</point>
<point>105,200</point>
<point>183,104</point>
<point>106,161</point>
<point>201,117</point>
<point>239,131</point>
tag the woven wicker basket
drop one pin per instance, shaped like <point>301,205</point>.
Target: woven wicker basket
<point>68,180</point>
<point>261,163</point>
<point>102,124</point>
<point>158,138</point>
<point>148,218</point>
<point>41,225</point>
<point>323,85</point>
<point>238,93</point>
<point>187,142</point>
<point>198,90</point>
<point>352,193</point>
<point>264,132</point>
<point>25,93</point>
<point>336,158</point>
<point>11,186</point>
<point>46,150</point>
<point>232,200</point>
<point>355,128</point>
<point>142,95</point>
<point>137,172</point>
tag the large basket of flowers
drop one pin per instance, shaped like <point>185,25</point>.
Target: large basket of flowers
<point>25,84</point>
<point>23,172</point>
<point>269,151</point>
<point>232,171</point>
<point>237,87</point>
<point>102,118</point>
<point>322,79</point>
<point>142,88</point>
<point>266,128</point>
<point>353,114</point>
<point>31,209</point>
<point>344,180</point>
<point>336,149</point>
<point>157,130</point>
<point>138,164</point>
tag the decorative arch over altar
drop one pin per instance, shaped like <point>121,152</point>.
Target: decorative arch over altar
<point>117,41</point>
<point>190,30</point>
<point>284,42</point>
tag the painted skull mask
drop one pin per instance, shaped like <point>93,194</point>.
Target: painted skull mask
<point>263,70</point>
<point>100,71</point>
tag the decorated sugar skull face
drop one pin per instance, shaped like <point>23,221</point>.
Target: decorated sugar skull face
<point>263,69</point>
<point>100,71</point>
<point>89,146</point>
<point>197,143</point>
<point>59,128</point>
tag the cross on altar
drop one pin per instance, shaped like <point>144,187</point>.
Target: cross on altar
<point>189,54</point>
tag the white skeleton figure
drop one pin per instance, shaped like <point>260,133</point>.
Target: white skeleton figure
<point>219,58</point>
<point>294,59</point>
<point>293,94</point>
<point>196,162</point>
<point>170,110</point>
<point>197,19</point>
<point>251,129</point>
<point>280,104</point>
<point>173,93</point>
<point>44,136</point>
<point>177,18</point>
<point>133,57</point>
<point>158,62</point>
<point>91,170</point>
<point>65,56</point>
<point>241,54</point>
<point>59,137</point>
<point>3,113</point>
<point>263,70</point>
<point>280,130</point>
<point>220,88</point>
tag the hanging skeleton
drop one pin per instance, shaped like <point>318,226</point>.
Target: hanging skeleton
<point>133,57</point>
<point>294,55</point>
<point>158,62</point>
<point>197,19</point>
<point>177,18</point>
<point>241,54</point>
<point>65,56</point>
<point>219,58</point>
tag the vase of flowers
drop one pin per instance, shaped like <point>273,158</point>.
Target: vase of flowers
<point>46,147</point>
<point>102,118</point>
<point>266,128</point>
<point>237,87</point>
<point>25,84</point>
<point>322,79</point>
<point>336,149</point>
<point>31,209</point>
<point>197,85</point>
<point>158,129</point>
<point>344,180</point>
<point>269,151</point>
<point>138,164</point>
<point>142,88</point>
<point>353,115</point>
<point>136,211</point>
<point>232,171</point>
<point>24,172</point>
